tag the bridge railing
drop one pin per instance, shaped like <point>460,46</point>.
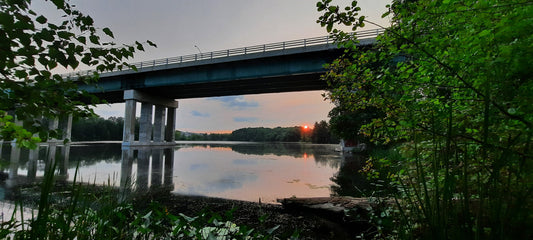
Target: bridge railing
<point>323,40</point>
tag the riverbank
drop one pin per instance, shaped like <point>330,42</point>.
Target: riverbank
<point>261,216</point>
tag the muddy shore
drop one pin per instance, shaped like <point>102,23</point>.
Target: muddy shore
<point>308,224</point>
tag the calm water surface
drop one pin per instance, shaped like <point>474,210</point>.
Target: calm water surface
<point>234,170</point>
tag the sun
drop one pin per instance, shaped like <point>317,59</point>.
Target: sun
<point>306,127</point>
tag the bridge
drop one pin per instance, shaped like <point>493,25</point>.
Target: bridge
<point>270,68</point>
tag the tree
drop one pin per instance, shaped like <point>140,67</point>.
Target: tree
<point>348,123</point>
<point>321,133</point>
<point>33,49</point>
<point>453,81</point>
<point>97,129</point>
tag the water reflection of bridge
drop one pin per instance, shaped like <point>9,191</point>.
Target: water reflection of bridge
<point>21,167</point>
<point>154,168</point>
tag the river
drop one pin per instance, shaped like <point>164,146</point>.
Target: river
<point>234,170</point>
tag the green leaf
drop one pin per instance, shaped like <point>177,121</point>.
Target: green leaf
<point>82,39</point>
<point>151,43</point>
<point>108,32</point>
<point>94,39</point>
<point>41,19</point>
<point>47,35</point>
<point>21,74</point>
<point>65,35</point>
<point>139,46</point>
<point>73,62</point>
<point>484,33</point>
<point>52,64</point>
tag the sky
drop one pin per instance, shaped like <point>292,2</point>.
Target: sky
<point>177,26</point>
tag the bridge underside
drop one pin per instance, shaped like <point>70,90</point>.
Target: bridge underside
<point>249,74</point>
<point>157,87</point>
<point>293,83</point>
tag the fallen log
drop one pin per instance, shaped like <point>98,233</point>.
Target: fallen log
<point>344,210</point>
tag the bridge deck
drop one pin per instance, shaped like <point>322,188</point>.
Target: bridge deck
<point>280,67</point>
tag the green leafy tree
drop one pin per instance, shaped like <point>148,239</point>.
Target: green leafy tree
<point>33,49</point>
<point>322,133</point>
<point>453,80</point>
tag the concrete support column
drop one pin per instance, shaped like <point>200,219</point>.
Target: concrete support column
<point>160,133</point>
<point>145,128</point>
<point>159,123</point>
<point>65,154</point>
<point>169,169</point>
<point>53,124</point>
<point>128,136</point>
<point>15,159</point>
<point>125,173</point>
<point>67,127</point>
<point>171,124</point>
<point>157,168</point>
<point>33,156</point>
<point>143,169</point>
<point>50,161</point>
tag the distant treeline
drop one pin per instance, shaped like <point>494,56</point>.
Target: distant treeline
<point>100,129</point>
<point>320,133</point>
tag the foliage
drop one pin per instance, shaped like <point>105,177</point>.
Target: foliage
<point>322,133</point>
<point>33,49</point>
<point>10,129</point>
<point>453,81</point>
<point>261,134</point>
<point>347,123</point>
<point>186,136</point>
<point>98,129</point>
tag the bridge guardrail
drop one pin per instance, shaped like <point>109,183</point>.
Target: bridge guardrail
<point>323,40</point>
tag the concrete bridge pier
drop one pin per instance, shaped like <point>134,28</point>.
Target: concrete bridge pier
<point>64,123</point>
<point>168,176</point>
<point>158,132</point>
<point>125,173</point>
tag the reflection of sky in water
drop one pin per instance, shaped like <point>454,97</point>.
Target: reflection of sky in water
<point>198,167</point>
<point>244,161</point>
<point>230,181</point>
<point>250,176</point>
<point>235,171</point>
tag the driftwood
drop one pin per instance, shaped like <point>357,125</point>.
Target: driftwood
<point>338,209</point>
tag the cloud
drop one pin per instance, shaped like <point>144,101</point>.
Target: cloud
<point>245,119</point>
<point>199,114</point>
<point>236,102</point>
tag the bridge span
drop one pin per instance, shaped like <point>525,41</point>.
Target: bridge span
<point>270,68</point>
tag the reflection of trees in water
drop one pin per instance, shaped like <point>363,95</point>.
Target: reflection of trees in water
<point>323,154</point>
<point>350,181</point>
<point>92,154</point>
<point>278,149</point>
<point>87,155</point>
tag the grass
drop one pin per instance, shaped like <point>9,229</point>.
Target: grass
<point>449,188</point>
